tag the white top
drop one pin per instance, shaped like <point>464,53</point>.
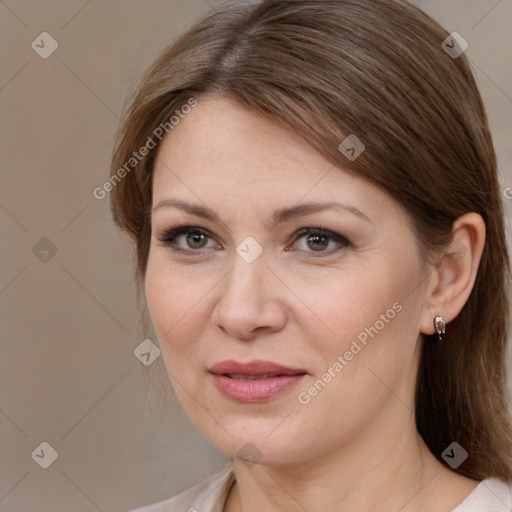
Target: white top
<point>490,495</point>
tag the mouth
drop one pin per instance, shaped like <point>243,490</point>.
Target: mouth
<point>252,377</point>
<point>254,368</point>
<point>255,381</point>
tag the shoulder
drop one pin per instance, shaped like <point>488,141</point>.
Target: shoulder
<point>490,495</point>
<point>207,496</point>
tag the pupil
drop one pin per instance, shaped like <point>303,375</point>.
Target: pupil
<point>196,238</point>
<point>316,238</point>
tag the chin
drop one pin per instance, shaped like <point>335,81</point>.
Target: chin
<point>255,445</point>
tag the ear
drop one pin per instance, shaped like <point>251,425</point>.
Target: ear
<point>454,275</point>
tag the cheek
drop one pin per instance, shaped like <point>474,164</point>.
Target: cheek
<point>362,311</point>
<point>172,317</point>
<point>172,302</point>
<point>160,303</point>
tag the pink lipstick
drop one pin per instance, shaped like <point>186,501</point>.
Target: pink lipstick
<point>254,381</point>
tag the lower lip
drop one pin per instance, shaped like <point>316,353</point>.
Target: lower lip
<point>255,390</point>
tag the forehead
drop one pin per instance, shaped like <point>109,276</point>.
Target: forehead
<point>225,154</point>
<point>220,131</point>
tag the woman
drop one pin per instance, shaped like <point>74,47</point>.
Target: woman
<point>311,190</point>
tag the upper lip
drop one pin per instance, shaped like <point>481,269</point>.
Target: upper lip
<point>252,368</point>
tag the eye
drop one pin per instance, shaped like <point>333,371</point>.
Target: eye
<point>317,240</point>
<point>193,238</point>
<point>190,239</point>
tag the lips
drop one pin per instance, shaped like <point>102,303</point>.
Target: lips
<point>256,368</point>
<point>251,377</point>
<point>255,381</point>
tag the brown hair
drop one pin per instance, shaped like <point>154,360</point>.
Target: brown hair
<point>376,69</point>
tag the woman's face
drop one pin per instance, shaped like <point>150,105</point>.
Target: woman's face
<point>339,307</point>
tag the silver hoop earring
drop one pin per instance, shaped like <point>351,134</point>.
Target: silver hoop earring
<point>440,325</point>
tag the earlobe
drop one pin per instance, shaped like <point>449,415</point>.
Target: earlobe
<point>455,272</point>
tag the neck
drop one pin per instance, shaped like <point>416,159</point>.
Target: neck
<point>384,468</point>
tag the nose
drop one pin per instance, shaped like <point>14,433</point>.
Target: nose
<point>249,304</point>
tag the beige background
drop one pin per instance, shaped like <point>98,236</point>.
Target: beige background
<point>68,375</point>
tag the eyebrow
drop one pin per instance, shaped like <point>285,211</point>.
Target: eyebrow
<point>278,216</point>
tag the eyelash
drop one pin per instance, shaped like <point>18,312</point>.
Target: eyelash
<point>171,234</point>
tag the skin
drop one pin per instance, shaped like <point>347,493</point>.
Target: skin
<point>354,446</point>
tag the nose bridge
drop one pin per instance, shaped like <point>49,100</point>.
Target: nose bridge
<point>245,284</point>
<point>247,299</point>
